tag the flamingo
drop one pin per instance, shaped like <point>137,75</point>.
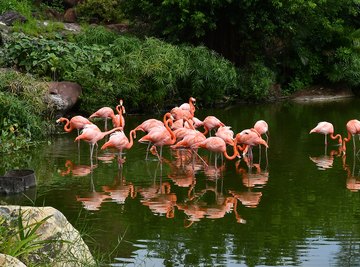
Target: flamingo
<point>326,128</point>
<point>119,141</point>
<point>353,128</point>
<point>92,136</point>
<point>150,124</point>
<point>119,120</point>
<point>250,138</point>
<point>104,112</point>
<point>76,122</point>
<point>217,145</point>
<point>160,136</point>
<point>189,106</point>
<point>211,122</point>
<point>262,127</point>
<point>225,133</point>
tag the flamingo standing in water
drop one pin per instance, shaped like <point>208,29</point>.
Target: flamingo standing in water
<point>150,124</point>
<point>326,128</point>
<point>225,133</point>
<point>250,138</point>
<point>92,136</point>
<point>119,120</point>
<point>119,141</point>
<point>217,145</point>
<point>211,122</point>
<point>76,122</point>
<point>353,128</point>
<point>105,112</point>
<point>189,106</point>
<point>262,127</point>
<point>160,136</point>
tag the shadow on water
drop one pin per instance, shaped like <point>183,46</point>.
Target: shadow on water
<point>294,204</point>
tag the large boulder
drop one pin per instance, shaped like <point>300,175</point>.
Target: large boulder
<point>7,260</point>
<point>68,249</point>
<point>63,96</point>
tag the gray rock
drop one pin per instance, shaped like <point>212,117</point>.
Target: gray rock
<point>9,261</point>
<point>10,17</point>
<point>72,252</point>
<point>63,96</point>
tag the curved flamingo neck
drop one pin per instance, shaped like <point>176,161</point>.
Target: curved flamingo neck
<point>190,124</point>
<point>334,137</point>
<point>173,136</point>
<point>167,116</point>
<point>345,140</point>
<point>192,107</point>
<point>68,127</point>
<point>236,152</point>
<point>132,135</point>
<point>206,130</point>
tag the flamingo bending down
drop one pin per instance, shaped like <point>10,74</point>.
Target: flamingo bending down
<point>105,112</point>
<point>326,128</point>
<point>353,128</point>
<point>250,138</point>
<point>225,133</point>
<point>262,127</point>
<point>92,135</point>
<point>211,122</point>
<point>76,122</point>
<point>160,136</point>
<point>217,145</point>
<point>119,141</point>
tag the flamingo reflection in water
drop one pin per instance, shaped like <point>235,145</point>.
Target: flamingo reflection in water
<point>326,161</point>
<point>120,190</point>
<point>196,209</point>
<point>76,170</point>
<point>353,179</point>
<point>251,179</point>
<point>93,200</point>
<point>159,199</point>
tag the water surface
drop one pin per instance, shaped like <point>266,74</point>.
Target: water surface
<point>297,205</point>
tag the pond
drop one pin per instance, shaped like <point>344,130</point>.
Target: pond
<point>296,205</point>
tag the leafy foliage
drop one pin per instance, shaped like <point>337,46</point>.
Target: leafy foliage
<point>100,10</point>
<point>23,113</point>
<point>145,73</point>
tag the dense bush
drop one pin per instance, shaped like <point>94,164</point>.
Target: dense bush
<point>145,73</point>
<point>23,111</point>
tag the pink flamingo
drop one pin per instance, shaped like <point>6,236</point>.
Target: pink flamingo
<point>76,122</point>
<point>217,145</point>
<point>92,135</point>
<point>105,112</point>
<point>250,138</point>
<point>353,128</point>
<point>262,127</point>
<point>119,120</point>
<point>189,106</point>
<point>211,122</point>
<point>160,136</point>
<point>150,124</point>
<point>119,141</point>
<point>326,128</point>
<point>225,133</point>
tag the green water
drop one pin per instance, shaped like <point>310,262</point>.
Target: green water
<point>288,212</point>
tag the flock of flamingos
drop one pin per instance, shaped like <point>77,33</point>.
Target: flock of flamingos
<point>180,129</point>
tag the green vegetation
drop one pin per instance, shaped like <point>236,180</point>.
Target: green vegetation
<point>227,50</point>
<point>19,240</point>
<point>24,112</point>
